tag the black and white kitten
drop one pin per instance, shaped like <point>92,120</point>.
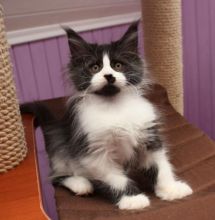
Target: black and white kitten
<point>109,126</point>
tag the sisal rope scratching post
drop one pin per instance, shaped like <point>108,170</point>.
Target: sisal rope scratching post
<point>12,142</point>
<point>163,46</point>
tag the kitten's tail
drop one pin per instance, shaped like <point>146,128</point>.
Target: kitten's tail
<point>46,120</point>
<point>43,116</point>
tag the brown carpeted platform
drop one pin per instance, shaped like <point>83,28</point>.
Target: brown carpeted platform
<point>193,155</point>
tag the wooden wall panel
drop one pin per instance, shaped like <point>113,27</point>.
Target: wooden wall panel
<point>38,54</point>
<point>25,73</point>
<point>54,65</point>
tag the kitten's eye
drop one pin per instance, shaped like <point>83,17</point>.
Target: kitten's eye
<point>95,68</point>
<point>118,66</point>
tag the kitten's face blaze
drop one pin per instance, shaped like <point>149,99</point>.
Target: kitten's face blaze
<point>105,69</point>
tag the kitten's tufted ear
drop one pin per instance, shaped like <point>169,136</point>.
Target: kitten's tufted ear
<point>77,44</point>
<point>129,40</point>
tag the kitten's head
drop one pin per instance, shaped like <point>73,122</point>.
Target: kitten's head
<point>105,69</point>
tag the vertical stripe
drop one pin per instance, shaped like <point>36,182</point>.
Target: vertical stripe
<point>97,36</point>
<point>203,34</point>
<point>65,57</point>
<point>88,36</point>
<point>191,78</point>
<point>117,32</point>
<point>41,70</point>
<point>212,57</point>
<point>54,67</point>
<point>26,72</point>
<point>107,35</point>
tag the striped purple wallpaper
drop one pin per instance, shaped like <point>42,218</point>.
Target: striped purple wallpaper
<point>199,63</point>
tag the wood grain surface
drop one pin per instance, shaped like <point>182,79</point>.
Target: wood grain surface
<point>19,188</point>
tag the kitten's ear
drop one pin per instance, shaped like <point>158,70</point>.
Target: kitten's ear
<point>129,40</point>
<point>77,44</point>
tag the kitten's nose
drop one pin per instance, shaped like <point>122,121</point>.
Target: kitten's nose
<point>110,78</point>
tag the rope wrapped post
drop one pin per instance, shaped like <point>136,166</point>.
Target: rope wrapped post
<point>12,141</point>
<point>163,46</point>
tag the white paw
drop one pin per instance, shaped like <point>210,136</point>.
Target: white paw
<point>174,190</point>
<point>79,185</point>
<point>139,201</point>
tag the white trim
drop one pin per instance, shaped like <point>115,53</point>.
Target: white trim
<point>48,31</point>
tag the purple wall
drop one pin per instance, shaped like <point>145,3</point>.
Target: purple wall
<point>199,63</point>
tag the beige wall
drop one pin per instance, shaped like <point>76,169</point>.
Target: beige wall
<point>30,13</point>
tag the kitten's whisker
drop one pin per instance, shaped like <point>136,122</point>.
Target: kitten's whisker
<point>134,88</point>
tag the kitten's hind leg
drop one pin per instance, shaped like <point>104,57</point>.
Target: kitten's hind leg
<point>166,185</point>
<point>122,191</point>
<point>78,184</point>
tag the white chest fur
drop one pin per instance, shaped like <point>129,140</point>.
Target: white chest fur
<point>116,124</point>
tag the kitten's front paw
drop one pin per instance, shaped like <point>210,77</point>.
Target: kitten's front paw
<point>174,190</point>
<point>139,201</point>
<point>79,185</point>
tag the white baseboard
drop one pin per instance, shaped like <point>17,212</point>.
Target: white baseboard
<point>48,31</point>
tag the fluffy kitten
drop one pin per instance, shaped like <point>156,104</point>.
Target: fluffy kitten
<point>109,126</point>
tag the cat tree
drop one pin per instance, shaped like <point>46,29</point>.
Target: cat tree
<point>163,46</point>
<point>12,141</point>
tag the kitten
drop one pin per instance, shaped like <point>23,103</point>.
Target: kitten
<point>109,127</point>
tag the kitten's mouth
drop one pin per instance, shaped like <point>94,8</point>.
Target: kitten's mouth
<point>108,90</point>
